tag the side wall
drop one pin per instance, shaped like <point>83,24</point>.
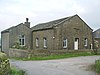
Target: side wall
<point>5,41</point>
<point>48,34</point>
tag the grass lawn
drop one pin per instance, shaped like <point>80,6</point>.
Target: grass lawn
<point>97,66</point>
<point>60,56</point>
<point>15,71</point>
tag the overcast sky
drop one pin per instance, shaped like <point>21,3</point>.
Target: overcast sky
<point>13,12</point>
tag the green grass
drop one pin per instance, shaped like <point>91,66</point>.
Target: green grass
<point>59,56</point>
<point>97,66</point>
<point>15,71</point>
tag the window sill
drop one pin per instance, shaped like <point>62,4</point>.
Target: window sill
<point>64,47</point>
<point>45,47</point>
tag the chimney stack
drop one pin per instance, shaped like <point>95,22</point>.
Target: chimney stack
<point>27,19</point>
<point>27,23</point>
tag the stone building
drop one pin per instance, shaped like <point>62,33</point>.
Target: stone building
<point>96,35</point>
<point>16,35</point>
<point>70,33</point>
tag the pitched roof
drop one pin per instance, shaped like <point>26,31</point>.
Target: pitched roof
<point>7,30</point>
<point>98,30</point>
<point>50,24</point>
<point>96,33</point>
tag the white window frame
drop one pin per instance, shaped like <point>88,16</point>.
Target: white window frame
<point>65,42</point>
<point>37,42</point>
<point>45,42</point>
<point>22,40</point>
<point>85,42</point>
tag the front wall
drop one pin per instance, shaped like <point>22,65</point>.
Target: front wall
<point>20,30</point>
<point>74,28</point>
<point>49,34</point>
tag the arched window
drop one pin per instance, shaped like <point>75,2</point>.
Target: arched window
<point>45,42</point>
<point>64,43</point>
<point>85,42</point>
<point>37,42</point>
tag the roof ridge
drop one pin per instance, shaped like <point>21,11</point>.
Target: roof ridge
<point>50,24</point>
<point>53,21</point>
<point>97,30</point>
<point>66,19</point>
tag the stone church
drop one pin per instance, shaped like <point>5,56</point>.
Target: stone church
<point>69,33</point>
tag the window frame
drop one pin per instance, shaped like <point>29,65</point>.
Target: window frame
<point>65,43</point>
<point>22,40</point>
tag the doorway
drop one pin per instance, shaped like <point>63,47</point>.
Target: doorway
<point>76,44</point>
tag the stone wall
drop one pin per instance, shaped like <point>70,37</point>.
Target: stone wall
<point>17,53</point>
<point>4,64</point>
<point>55,52</point>
<point>41,35</point>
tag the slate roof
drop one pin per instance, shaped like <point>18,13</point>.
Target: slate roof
<point>7,30</point>
<point>50,24</point>
<point>96,33</point>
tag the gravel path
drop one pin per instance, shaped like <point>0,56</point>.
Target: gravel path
<point>69,66</point>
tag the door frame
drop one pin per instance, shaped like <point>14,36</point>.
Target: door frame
<point>76,43</point>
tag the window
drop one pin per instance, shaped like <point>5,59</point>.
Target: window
<point>22,40</point>
<point>64,43</point>
<point>45,43</point>
<point>37,42</point>
<point>85,42</point>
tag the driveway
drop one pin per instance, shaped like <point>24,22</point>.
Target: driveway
<point>68,66</point>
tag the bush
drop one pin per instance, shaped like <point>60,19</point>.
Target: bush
<point>97,65</point>
<point>18,46</point>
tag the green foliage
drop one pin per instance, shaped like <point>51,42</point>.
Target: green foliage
<point>3,56</point>
<point>4,64</point>
<point>15,71</point>
<point>18,46</point>
<point>96,44</point>
<point>58,56</point>
<point>97,65</point>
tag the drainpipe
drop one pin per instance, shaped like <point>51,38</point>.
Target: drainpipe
<point>1,42</point>
<point>93,40</point>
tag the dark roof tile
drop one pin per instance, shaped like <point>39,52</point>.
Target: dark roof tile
<point>7,30</point>
<point>50,24</point>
